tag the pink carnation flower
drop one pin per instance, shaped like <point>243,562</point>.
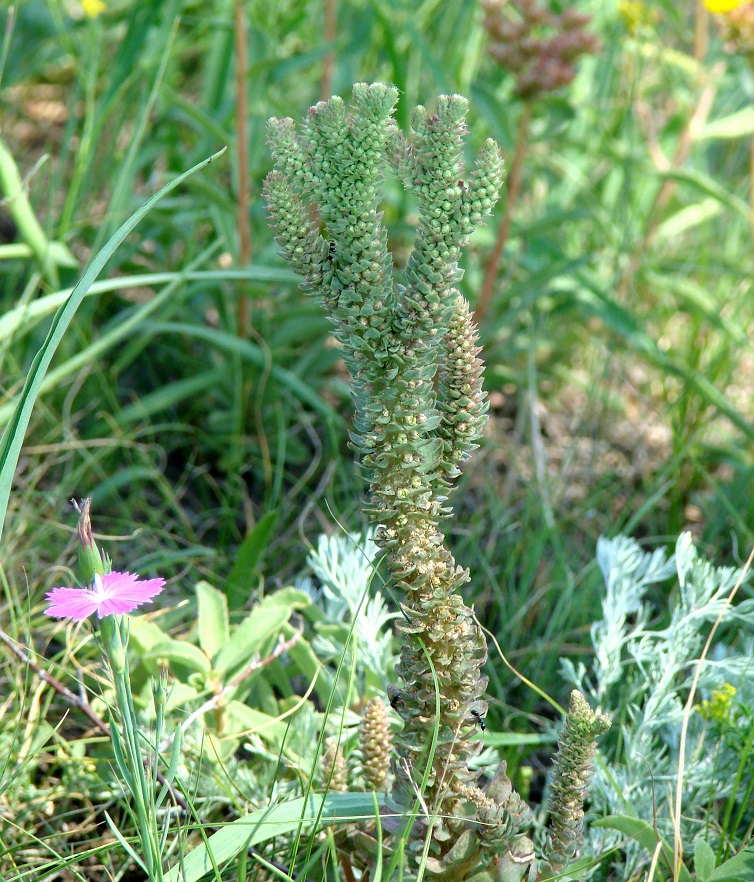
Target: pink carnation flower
<point>113,594</point>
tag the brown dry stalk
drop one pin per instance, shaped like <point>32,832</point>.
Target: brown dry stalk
<point>328,62</point>
<point>514,188</point>
<point>751,188</point>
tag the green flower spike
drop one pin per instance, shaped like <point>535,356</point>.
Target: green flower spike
<point>411,349</point>
<point>334,768</point>
<point>573,770</point>
<point>376,746</point>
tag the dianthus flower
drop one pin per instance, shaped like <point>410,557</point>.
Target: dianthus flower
<point>113,594</point>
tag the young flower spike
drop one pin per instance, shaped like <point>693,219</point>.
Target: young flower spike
<point>113,595</point>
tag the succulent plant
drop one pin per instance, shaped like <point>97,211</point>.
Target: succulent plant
<point>410,346</point>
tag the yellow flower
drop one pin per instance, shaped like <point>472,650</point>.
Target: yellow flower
<point>93,8</point>
<point>720,7</point>
<point>637,15</point>
<point>719,706</point>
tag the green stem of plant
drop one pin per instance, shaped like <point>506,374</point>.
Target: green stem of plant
<point>242,159</point>
<point>12,187</point>
<point>115,641</point>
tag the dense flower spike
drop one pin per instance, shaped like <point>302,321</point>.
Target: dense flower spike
<point>376,747</point>
<point>573,768</point>
<point>411,349</point>
<point>334,769</point>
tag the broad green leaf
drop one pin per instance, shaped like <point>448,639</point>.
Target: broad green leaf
<point>59,253</point>
<point>249,554</point>
<point>289,597</point>
<point>168,396</point>
<point>644,834</point>
<point>704,860</point>
<point>266,823</point>
<point>712,187</point>
<point>143,635</point>
<point>250,352</point>
<point>310,666</point>
<point>212,618</point>
<point>263,622</point>
<point>247,721</point>
<point>125,845</point>
<point>13,436</point>
<point>181,653</point>
<point>739,868</point>
<point>25,317</point>
<point>16,200</point>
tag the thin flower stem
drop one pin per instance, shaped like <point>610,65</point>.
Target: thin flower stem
<point>242,160</point>
<point>140,790</point>
<point>328,62</point>
<point>82,704</point>
<point>514,188</point>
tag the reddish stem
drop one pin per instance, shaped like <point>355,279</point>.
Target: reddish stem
<point>328,63</point>
<point>514,187</point>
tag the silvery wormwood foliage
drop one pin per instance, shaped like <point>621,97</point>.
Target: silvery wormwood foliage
<point>344,567</point>
<point>641,676</point>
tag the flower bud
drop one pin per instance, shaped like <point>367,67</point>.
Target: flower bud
<point>90,560</point>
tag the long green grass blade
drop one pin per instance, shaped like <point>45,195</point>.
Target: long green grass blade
<point>13,436</point>
<point>259,826</point>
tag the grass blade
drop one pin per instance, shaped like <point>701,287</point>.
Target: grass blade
<point>13,436</point>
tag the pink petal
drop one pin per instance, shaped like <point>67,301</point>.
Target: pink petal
<point>72,603</point>
<point>115,606</point>
<point>115,594</point>
<point>126,586</point>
